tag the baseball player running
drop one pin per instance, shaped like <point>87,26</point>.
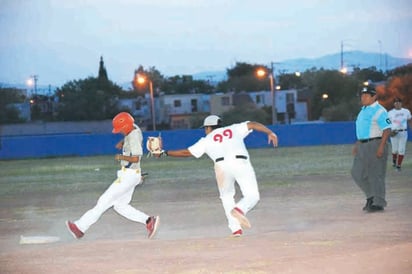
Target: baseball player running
<point>119,194</point>
<point>225,146</point>
<point>400,117</point>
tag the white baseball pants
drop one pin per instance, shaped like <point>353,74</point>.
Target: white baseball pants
<point>119,194</point>
<point>241,171</point>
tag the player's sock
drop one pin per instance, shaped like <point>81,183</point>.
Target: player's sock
<point>394,158</point>
<point>400,159</point>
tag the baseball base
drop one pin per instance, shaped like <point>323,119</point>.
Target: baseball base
<point>38,239</point>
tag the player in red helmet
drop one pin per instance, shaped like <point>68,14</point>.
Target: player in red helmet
<point>120,192</point>
<point>123,122</point>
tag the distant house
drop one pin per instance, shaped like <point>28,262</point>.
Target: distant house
<point>221,102</point>
<point>291,106</point>
<point>23,110</point>
<point>175,110</point>
<point>179,110</point>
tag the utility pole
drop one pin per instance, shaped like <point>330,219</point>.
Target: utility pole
<point>341,55</point>
<point>272,90</point>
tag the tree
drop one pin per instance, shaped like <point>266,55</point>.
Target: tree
<point>8,112</point>
<point>242,77</point>
<point>290,81</point>
<point>339,88</point>
<point>399,85</point>
<point>185,85</point>
<point>366,74</point>
<point>88,99</point>
<point>102,77</point>
<point>151,74</point>
<point>246,112</point>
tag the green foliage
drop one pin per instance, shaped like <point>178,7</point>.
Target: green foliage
<point>88,99</point>
<point>368,74</point>
<point>242,77</point>
<point>291,81</point>
<point>400,71</point>
<point>342,111</point>
<point>185,85</point>
<point>341,90</point>
<point>8,112</point>
<point>246,112</point>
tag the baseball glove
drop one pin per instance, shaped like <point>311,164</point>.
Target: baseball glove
<point>393,133</point>
<point>154,146</point>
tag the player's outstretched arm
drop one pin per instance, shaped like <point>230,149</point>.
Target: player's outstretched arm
<point>178,153</point>
<point>272,137</point>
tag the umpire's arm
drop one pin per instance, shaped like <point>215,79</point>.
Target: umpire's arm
<point>385,136</point>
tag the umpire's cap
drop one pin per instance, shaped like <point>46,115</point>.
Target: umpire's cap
<point>369,89</point>
<point>212,120</point>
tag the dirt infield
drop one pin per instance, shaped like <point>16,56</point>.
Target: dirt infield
<point>310,224</point>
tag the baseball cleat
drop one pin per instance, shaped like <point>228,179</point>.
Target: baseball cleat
<point>374,208</point>
<point>237,233</point>
<point>369,201</point>
<point>151,226</point>
<point>74,230</point>
<point>240,216</point>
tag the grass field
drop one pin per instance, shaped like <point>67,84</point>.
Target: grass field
<point>67,173</point>
<point>309,219</point>
<point>272,166</point>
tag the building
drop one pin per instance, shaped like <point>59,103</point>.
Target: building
<point>180,111</point>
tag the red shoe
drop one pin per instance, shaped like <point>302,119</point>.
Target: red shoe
<point>240,216</point>
<point>151,225</point>
<point>237,233</point>
<point>74,230</point>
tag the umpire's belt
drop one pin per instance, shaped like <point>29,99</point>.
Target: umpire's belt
<point>237,157</point>
<point>370,139</point>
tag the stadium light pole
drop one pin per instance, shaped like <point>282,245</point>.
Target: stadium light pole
<point>261,72</point>
<point>32,82</point>
<point>141,79</point>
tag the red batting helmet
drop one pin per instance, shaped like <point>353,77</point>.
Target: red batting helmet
<point>123,122</point>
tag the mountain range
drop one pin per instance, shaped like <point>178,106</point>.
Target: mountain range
<point>350,59</point>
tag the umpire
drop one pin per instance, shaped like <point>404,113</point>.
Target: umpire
<point>370,151</point>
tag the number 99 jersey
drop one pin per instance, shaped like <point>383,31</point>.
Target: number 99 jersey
<point>223,142</point>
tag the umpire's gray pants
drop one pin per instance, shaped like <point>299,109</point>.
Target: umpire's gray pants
<point>369,171</point>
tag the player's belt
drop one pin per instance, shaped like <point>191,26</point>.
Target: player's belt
<point>370,139</point>
<point>237,157</point>
<point>134,169</point>
<point>399,130</point>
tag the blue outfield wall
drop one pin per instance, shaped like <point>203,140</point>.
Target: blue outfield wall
<point>38,146</point>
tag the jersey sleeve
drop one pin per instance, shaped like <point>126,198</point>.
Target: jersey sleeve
<point>136,140</point>
<point>198,148</point>
<point>384,121</point>
<point>243,129</point>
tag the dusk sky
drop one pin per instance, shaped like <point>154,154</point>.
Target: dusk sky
<point>62,40</point>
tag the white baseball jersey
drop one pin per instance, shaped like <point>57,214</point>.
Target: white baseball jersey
<point>132,146</point>
<point>120,192</point>
<point>226,148</point>
<point>222,142</point>
<point>399,118</point>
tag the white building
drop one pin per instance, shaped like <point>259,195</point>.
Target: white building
<point>179,110</point>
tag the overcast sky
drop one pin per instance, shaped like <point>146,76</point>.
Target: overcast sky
<point>62,40</point>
